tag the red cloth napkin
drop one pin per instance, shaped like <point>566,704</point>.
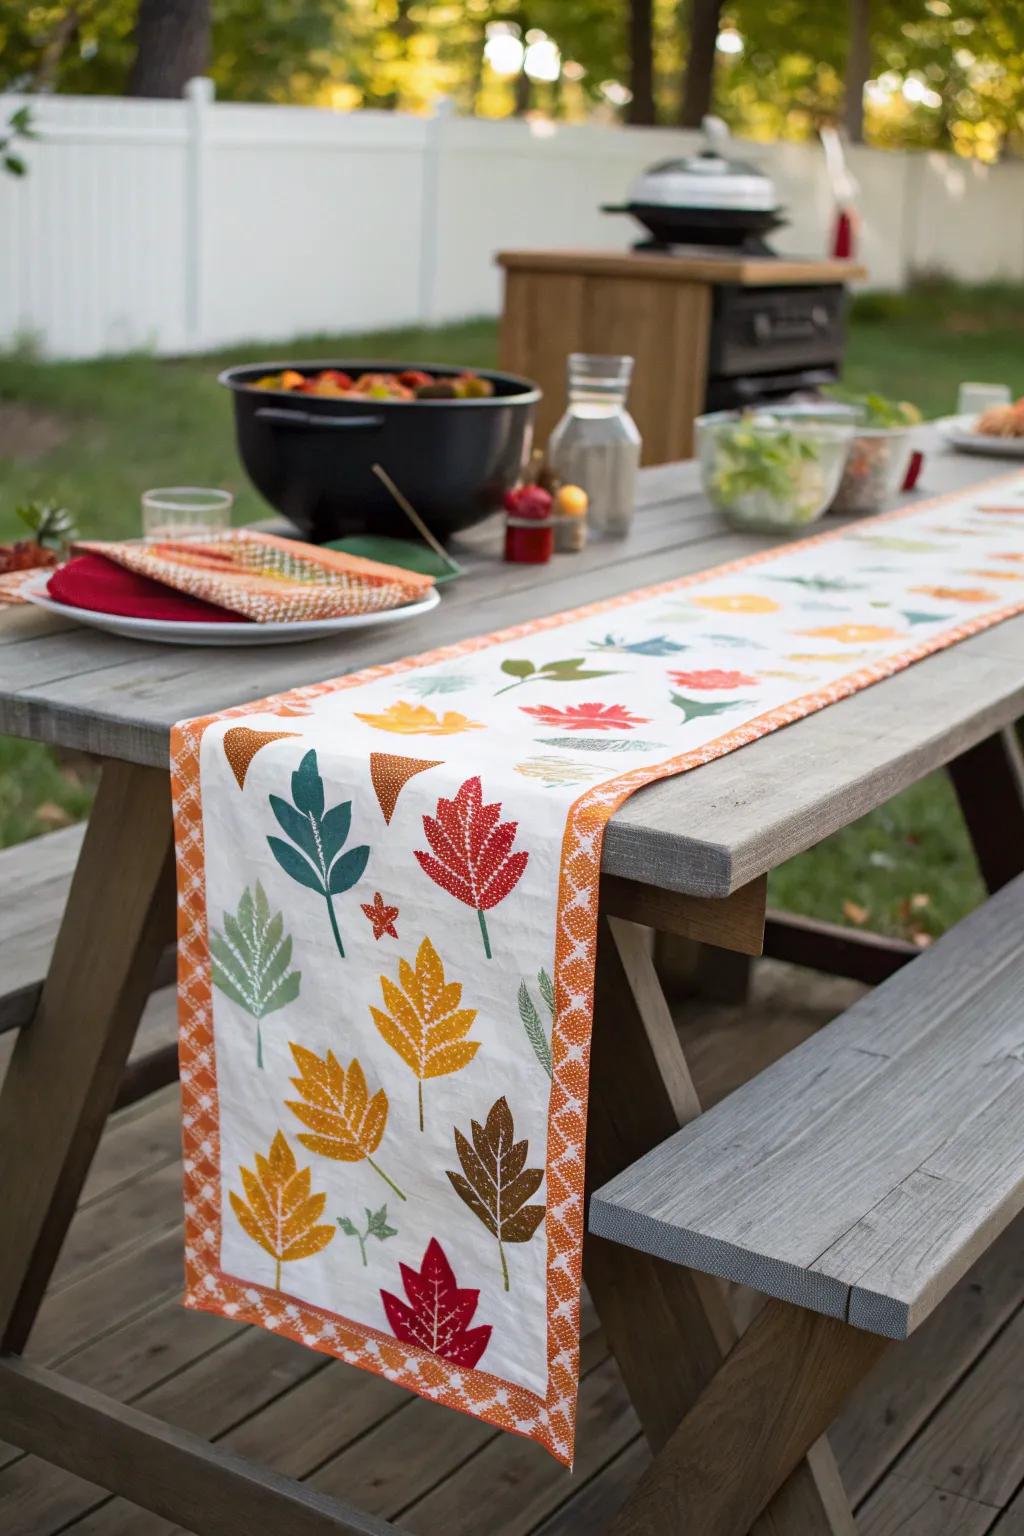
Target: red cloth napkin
<point>90,581</point>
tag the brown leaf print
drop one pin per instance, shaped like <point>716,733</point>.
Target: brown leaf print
<point>279,1212</point>
<point>345,1124</point>
<point>495,1182</point>
<point>424,1022</point>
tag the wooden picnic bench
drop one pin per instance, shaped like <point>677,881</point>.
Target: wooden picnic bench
<point>855,1181</point>
<point>688,857</point>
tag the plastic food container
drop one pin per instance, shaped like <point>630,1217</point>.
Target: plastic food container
<point>875,470</point>
<point>769,475</point>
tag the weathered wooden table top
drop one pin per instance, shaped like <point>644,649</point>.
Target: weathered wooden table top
<point>706,832</point>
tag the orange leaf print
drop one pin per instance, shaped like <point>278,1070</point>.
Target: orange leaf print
<point>713,677</point>
<point>739,602</point>
<point>241,744</point>
<point>958,594</point>
<point>344,1122</point>
<point>998,575</point>
<point>854,634</point>
<point>279,1212</point>
<point>417,720</point>
<point>424,1023</point>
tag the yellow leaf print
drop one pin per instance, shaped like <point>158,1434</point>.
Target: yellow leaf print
<point>406,719</point>
<point>278,1211</point>
<point>344,1122</point>
<point>739,602</point>
<point>843,657</point>
<point>853,634</point>
<point>424,1022</point>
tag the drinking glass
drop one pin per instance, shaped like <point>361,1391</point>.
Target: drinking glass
<point>185,512</point>
<point>972,399</point>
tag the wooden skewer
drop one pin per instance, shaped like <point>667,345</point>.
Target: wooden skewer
<point>414,518</point>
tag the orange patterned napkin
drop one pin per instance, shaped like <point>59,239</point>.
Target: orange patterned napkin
<point>266,578</point>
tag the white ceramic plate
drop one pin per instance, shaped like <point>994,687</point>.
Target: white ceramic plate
<point>958,431</point>
<point>175,632</point>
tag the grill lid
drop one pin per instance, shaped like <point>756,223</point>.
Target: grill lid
<point>708,180</point>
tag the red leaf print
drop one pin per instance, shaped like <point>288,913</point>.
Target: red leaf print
<point>471,852</point>
<point>585,717</point>
<point>713,677</point>
<point>381,916</point>
<point>438,1313</point>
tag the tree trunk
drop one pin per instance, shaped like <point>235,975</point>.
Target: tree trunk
<point>55,47</point>
<point>858,69</point>
<point>699,79</point>
<point>641,56</point>
<point>172,42</point>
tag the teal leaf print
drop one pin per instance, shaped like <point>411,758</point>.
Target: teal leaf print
<point>535,1031</point>
<point>571,671</point>
<point>655,645</point>
<point>750,645</point>
<point>601,743</point>
<point>821,583</point>
<point>923,618</point>
<point>376,1226</point>
<point>316,838</point>
<point>694,709</point>
<point>442,682</point>
<point>251,960</point>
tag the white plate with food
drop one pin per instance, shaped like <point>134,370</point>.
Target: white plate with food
<point>203,632</point>
<point>999,431</point>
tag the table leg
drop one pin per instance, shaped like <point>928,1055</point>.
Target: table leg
<point>66,1066</point>
<point>989,784</point>
<point>669,1328</point>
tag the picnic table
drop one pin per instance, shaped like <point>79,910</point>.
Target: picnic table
<point>688,857</point>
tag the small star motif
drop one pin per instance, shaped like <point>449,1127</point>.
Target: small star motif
<point>381,916</point>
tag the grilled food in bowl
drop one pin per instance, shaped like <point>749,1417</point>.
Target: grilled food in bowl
<point>311,456</point>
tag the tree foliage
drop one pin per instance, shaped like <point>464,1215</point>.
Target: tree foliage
<point>942,73</point>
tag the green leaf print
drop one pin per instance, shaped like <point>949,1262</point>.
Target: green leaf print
<point>694,709</point>
<point>251,960</point>
<point>535,1031</point>
<point>376,1226</point>
<point>573,670</point>
<point>601,743</point>
<point>316,838</point>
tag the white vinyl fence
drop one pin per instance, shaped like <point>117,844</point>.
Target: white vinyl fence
<point>183,225</point>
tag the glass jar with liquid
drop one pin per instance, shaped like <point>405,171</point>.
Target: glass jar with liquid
<point>596,444</point>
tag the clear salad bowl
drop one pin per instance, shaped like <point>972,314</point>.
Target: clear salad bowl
<point>770,475</point>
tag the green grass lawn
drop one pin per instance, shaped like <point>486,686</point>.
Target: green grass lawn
<point>95,435</point>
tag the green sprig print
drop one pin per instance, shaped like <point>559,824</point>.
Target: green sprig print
<point>376,1226</point>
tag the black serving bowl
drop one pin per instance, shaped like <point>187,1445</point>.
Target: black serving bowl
<point>312,456</point>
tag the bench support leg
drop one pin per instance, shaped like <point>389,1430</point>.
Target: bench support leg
<point>67,1064</point>
<point>775,1394</point>
<point>668,1328</point>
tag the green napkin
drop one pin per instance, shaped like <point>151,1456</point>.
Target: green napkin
<point>409,554</point>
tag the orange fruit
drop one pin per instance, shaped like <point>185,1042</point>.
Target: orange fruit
<point>572,501</point>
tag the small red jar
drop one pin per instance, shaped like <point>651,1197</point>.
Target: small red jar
<point>529,540</point>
